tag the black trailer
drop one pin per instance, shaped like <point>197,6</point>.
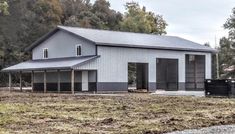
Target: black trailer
<point>224,87</point>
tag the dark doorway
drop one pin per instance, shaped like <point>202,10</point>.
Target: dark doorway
<point>167,74</point>
<point>138,76</point>
<point>195,72</point>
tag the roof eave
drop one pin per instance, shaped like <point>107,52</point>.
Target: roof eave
<point>153,47</point>
<point>34,69</point>
<point>15,69</point>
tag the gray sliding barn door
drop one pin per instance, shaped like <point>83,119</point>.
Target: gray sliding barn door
<point>167,74</point>
<point>195,72</point>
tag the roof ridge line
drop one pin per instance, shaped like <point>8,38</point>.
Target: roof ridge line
<point>106,30</point>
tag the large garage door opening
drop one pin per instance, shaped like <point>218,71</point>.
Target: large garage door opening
<point>138,76</point>
<point>195,72</point>
<point>167,74</point>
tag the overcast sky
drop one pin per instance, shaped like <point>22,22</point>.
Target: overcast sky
<point>197,20</point>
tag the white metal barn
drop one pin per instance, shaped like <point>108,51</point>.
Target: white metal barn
<point>77,59</point>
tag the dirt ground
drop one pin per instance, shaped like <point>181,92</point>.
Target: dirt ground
<point>131,113</point>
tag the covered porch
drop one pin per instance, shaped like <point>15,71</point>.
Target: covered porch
<point>56,75</point>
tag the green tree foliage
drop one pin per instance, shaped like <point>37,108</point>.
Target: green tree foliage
<point>40,17</point>
<point>137,19</point>
<point>226,58</point>
<point>109,18</point>
<point>4,7</point>
<point>3,11</point>
<point>230,24</point>
<point>227,50</point>
<point>77,13</point>
<point>132,73</point>
<point>83,14</point>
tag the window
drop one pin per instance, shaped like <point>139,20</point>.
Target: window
<point>45,53</point>
<point>78,50</point>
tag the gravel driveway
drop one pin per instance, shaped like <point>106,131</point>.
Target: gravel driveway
<point>229,129</point>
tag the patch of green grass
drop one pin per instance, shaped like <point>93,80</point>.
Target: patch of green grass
<point>9,113</point>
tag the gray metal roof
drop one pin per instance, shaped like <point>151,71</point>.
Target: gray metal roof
<point>128,39</point>
<point>57,63</point>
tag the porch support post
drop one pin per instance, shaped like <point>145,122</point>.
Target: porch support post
<point>32,80</point>
<point>72,81</point>
<point>21,81</point>
<point>10,86</point>
<point>182,63</point>
<point>45,81</point>
<point>58,81</point>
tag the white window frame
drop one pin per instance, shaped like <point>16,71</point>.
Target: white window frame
<point>76,48</point>
<point>45,49</point>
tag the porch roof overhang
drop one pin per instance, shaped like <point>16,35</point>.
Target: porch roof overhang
<point>51,64</point>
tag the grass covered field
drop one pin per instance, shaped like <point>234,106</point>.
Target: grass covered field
<point>131,113</point>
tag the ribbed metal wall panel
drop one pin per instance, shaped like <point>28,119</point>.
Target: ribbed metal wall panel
<point>62,44</point>
<point>112,66</point>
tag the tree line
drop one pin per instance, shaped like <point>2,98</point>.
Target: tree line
<point>226,50</point>
<point>24,21</point>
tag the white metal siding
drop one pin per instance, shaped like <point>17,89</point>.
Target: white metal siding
<point>62,44</point>
<point>112,66</point>
<point>84,80</point>
<point>208,66</point>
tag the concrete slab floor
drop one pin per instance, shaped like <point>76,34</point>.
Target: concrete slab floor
<point>180,93</point>
<point>89,94</point>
